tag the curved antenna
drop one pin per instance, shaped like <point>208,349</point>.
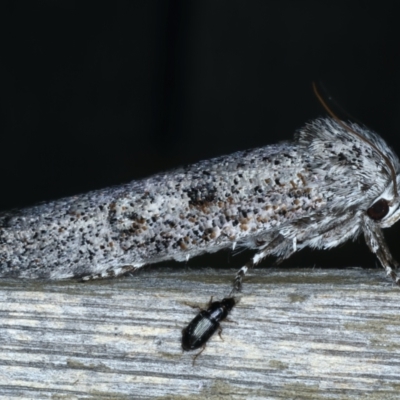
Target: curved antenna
<point>364,139</point>
<point>329,99</point>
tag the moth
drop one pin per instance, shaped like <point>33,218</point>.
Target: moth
<point>333,182</point>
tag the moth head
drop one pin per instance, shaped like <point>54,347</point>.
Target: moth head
<point>385,209</point>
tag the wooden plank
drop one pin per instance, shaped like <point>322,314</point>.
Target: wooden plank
<point>298,333</point>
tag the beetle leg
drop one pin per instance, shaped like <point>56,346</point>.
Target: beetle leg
<point>219,332</point>
<point>195,356</point>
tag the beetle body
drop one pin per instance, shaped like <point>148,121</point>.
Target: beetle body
<point>205,324</point>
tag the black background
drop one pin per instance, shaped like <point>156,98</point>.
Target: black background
<point>95,94</point>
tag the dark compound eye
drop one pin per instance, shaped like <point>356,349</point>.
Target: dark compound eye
<point>378,210</point>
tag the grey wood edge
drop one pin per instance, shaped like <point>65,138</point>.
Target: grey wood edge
<point>295,334</point>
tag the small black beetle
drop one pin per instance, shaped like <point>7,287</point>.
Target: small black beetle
<point>205,324</point>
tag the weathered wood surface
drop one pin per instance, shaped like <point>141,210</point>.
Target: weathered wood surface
<point>298,334</point>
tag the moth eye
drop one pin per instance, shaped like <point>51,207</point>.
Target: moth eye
<point>378,210</point>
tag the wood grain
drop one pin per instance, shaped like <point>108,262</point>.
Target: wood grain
<point>297,334</point>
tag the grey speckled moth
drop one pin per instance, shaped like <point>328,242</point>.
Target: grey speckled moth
<point>330,184</point>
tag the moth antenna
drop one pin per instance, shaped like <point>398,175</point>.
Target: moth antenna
<point>348,128</point>
<point>329,99</point>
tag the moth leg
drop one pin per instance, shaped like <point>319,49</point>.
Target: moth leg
<point>269,248</point>
<point>111,272</point>
<point>237,283</point>
<point>377,244</point>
